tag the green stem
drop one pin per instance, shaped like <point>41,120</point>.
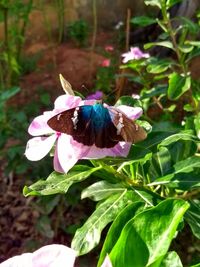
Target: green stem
<point>168,24</point>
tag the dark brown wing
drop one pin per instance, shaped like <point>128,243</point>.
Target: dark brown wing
<point>130,131</point>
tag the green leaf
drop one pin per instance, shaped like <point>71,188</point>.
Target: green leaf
<point>7,94</point>
<point>184,166</point>
<point>160,163</point>
<point>184,181</point>
<point>194,43</point>
<point>171,3</point>
<point>167,44</point>
<point>189,25</point>
<point>171,260</point>
<point>151,232</point>
<point>59,183</point>
<point>143,21</point>
<point>153,3</point>
<point>192,216</point>
<point>127,100</point>
<point>178,85</point>
<point>158,65</point>
<point>197,124</point>
<point>155,91</point>
<point>101,190</point>
<point>183,135</point>
<point>115,230</point>
<point>88,236</point>
<point>186,48</point>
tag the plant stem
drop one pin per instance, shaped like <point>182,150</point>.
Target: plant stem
<point>7,49</point>
<point>168,24</point>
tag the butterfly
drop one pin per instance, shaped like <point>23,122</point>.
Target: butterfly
<point>97,125</point>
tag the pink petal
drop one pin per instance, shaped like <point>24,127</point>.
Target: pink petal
<point>56,163</point>
<point>119,150</point>
<point>65,102</point>
<point>39,147</point>
<point>54,256</point>
<point>69,151</point>
<point>107,262</point>
<point>39,125</point>
<point>131,112</point>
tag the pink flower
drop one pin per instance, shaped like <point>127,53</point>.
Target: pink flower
<point>105,63</point>
<point>134,53</point>
<point>98,95</point>
<point>67,150</point>
<point>109,48</point>
<point>48,256</point>
<point>107,262</point>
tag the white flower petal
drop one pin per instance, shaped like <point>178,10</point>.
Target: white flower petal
<point>54,256</point>
<point>39,147</point>
<point>24,260</point>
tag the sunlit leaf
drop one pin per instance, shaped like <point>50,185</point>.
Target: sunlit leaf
<point>146,238</point>
<point>178,85</point>
<point>59,183</point>
<point>166,44</point>
<point>88,236</point>
<point>101,190</point>
<point>115,230</point>
<point>171,259</point>
<point>192,216</point>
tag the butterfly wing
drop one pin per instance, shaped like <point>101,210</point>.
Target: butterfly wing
<point>130,131</point>
<point>72,122</point>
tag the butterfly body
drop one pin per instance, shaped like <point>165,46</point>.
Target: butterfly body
<point>97,125</point>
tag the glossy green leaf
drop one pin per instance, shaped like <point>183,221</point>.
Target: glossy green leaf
<point>186,48</point>
<point>192,216</point>
<point>88,236</point>
<point>101,190</point>
<point>160,163</point>
<point>143,21</point>
<point>163,43</point>
<point>184,166</point>
<point>115,230</point>
<point>178,85</point>
<point>159,65</point>
<point>59,183</point>
<point>146,238</point>
<point>171,259</point>
<point>184,135</point>
<point>183,181</point>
